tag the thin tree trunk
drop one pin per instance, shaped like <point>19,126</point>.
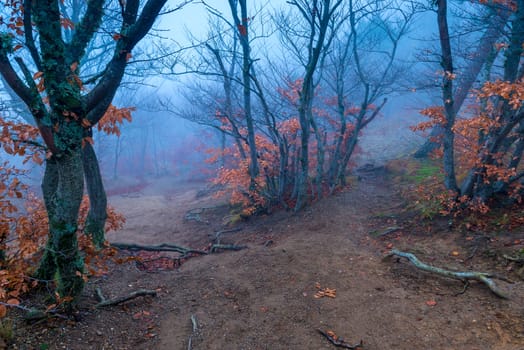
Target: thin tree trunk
<point>447,96</point>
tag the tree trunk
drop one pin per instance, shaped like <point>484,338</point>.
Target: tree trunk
<point>468,78</point>
<point>63,187</point>
<point>47,268</point>
<point>96,218</point>
<point>447,97</point>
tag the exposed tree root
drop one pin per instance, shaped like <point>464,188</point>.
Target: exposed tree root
<point>186,253</point>
<point>459,275</point>
<point>517,259</point>
<point>119,300</point>
<point>339,342</point>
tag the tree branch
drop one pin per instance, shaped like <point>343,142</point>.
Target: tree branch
<point>85,30</point>
<point>28,33</point>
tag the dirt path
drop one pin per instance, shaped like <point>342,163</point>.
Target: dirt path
<point>263,297</point>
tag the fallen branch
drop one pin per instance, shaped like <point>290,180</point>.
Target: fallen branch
<point>339,342</point>
<point>123,299</point>
<point>215,247</point>
<point>386,231</point>
<point>218,234</point>
<point>459,275</point>
<point>164,247</point>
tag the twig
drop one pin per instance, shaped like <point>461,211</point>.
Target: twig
<point>120,300</point>
<point>459,275</point>
<point>386,231</point>
<point>195,329</point>
<point>33,314</point>
<point>339,342</point>
<point>99,295</point>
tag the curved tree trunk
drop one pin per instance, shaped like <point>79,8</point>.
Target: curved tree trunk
<point>47,268</point>
<point>96,218</point>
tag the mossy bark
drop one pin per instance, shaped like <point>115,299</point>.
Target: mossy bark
<point>63,187</point>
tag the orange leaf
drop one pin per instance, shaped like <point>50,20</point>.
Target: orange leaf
<point>431,303</point>
<point>3,311</point>
<point>13,302</point>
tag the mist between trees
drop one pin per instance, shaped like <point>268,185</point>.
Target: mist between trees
<point>284,99</point>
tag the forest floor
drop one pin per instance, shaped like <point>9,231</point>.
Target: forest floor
<point>263,296</point>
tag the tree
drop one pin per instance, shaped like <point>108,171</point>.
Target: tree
<point>241,21</point>
<point>495,17</point>
<point>484,149</point>
<point>318,18</point>
<point>65,111</point>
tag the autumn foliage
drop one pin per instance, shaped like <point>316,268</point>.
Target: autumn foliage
<point>279,153</point>
<point>485,148</point>
<point>23,216</point>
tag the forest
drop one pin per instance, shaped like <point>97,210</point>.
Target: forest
<point>256,174</point>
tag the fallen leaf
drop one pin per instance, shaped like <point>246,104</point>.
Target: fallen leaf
<point>455,253</point>
<point>431,303</point>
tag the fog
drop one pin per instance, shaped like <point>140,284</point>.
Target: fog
<point>176,91</point>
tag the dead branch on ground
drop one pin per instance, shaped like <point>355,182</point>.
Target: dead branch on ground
<point>119,300</point>
<point>463,276</point>
<point>164,247</point>
<point>339,342</point>
<point>216,247</point>
<point>385,232</point>
<point>218,234</point>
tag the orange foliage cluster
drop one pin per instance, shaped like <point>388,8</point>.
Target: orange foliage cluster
<point>513,93</point>
<point>113,118</point>
<point>471,148</point>
<point>234,176</point>
<point>237,181</point>
<point>23,217</point>
<point>24,234</point>
<point>19,139</point>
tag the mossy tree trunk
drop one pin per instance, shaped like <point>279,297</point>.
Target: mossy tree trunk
<point>65,121</point>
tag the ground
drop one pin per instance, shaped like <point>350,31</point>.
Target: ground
<point>263,296</point>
